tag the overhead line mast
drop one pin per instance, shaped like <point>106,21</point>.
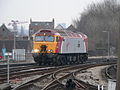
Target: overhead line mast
<point>14,25</point>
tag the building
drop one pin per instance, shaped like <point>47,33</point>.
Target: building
<point>59,27</point>
<point>7,40</point>
<point>5,33</point>
<point>72,28</point>
<point>34,26</point>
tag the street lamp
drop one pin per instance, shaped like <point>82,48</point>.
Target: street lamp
<point>108,34</point>
<point>14,24</point>
<point>8,65</point>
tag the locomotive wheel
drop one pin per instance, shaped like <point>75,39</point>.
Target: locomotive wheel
<point>67,60</point>
<point>35,59</point>
<point>46,61</point>
<point>40,62</point>
<point>77,57</point>
<point>54,61</point>
<point>71,59</point>
<point>85,57</point>
<point>58,62</point>
<point>82,59</point>
<point>50,61</point>
<point>61,60</point>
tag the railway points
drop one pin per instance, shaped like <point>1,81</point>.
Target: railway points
<point>19,81</point>
<point>64,74</point>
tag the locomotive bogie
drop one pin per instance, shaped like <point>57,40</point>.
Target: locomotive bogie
<point>60,59</point>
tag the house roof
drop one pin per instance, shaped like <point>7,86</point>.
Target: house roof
<point>71,27</point>
<point>4,28</point>
<point>5,33</point>
<point>64,33</point>
<point>59,27</point>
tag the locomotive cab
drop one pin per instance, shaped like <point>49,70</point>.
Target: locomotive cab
<point>45,43</point>
<point>45,46</point>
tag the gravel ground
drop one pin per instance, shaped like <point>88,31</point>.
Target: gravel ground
<point>93,76</point>
<point>16,82</point>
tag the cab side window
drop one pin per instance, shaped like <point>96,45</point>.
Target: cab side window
<point>57,39</point>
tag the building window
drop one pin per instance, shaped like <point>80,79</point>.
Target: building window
<point>3,29</point>
<point>36,24</point>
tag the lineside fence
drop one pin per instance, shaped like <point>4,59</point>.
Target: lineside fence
<point>18,55</point>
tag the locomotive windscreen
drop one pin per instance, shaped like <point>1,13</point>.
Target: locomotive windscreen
<point>44,38</point>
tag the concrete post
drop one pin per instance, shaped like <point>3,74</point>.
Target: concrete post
<point>102,87</point>
<point>8,70</point>
<point>98,87</point>
<point>118,70</point>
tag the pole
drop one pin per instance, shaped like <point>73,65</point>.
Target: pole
<point>98,87</point>
<point>102,87</point>
<point>118,62</point>
<point>108,45</point>
<point>14,41</point>
<point>8,75</point>
<point>15,28</point>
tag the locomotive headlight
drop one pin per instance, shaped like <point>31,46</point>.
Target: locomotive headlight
<point>50,50</point>
<point>36,50</point>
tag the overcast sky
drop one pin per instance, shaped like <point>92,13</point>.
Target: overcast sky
<point>63,11</point>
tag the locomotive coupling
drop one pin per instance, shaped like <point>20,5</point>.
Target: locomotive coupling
<point>43,48</point>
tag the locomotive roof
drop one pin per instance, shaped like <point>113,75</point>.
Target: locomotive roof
<point>64,33</point>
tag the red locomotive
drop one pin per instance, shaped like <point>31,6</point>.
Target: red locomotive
<point>59,47</point>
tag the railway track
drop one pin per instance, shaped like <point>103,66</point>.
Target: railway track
<point>16,64</point>
<point>44,83</point>
<point>43,76</point>
<point>21,72</point>
<point>56,79</point>
<point>18,68</point>
<point>80,85</point>
<point>111,72</point>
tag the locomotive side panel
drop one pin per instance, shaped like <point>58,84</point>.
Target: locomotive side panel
<point>73,45</point>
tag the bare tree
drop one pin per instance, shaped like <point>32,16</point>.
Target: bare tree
<point>98,18</point>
